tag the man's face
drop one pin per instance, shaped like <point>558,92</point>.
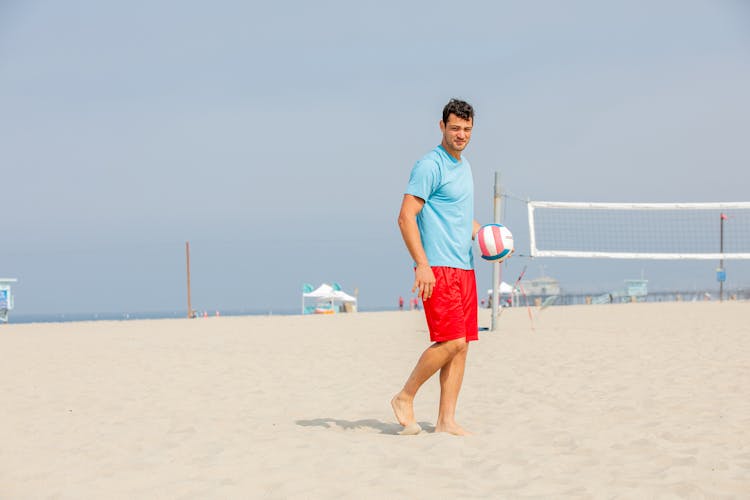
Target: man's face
<point>456,133</point>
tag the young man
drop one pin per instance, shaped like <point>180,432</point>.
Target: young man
<point>438,226</point>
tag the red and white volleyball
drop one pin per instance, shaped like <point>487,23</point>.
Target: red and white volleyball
<point>495,242</point>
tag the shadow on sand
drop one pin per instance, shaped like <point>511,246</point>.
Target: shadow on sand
<point>366,424</point>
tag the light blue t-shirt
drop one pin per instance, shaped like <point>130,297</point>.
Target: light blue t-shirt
<point>447,218</point>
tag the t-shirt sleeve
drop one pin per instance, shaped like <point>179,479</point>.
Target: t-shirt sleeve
<point>424,179</point>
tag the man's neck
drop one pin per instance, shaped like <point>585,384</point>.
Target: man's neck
<point>455,154</point>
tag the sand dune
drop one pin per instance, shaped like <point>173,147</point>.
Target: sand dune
<point>616,401</point>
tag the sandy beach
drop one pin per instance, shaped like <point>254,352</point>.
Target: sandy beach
<point>617,401</point>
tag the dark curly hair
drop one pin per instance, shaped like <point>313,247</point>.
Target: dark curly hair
<point>461,109</point>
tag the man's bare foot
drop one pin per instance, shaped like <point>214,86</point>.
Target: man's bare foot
<point>411,429</point>
<point>453,428</point>
<point>403,408</point>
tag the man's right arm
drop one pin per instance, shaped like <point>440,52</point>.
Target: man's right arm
<point>424,279</point>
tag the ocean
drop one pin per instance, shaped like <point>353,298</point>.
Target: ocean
<point>17,318</point>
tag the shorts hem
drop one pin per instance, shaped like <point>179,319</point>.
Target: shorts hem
<point>447,338</point>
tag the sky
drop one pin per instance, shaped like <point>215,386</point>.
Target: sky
<point>277,138</point>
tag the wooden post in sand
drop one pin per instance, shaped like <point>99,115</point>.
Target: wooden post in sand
<point>721,273</point>
<point>190,313</point>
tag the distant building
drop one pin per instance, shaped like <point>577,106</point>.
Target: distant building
<point>541,287</point>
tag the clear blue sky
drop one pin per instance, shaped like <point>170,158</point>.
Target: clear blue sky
<point>278,137</point>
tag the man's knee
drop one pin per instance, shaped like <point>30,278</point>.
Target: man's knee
<point>456,346</point>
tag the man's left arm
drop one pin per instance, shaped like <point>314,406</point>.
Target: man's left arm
<point>475,230</point>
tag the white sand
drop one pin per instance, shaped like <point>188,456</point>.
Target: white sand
<point>618,401</point>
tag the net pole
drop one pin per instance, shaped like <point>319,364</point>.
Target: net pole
<point>498,215</point>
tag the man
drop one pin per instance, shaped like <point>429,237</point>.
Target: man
<point>437,224</point>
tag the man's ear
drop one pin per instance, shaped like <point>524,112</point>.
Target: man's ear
<point>442,126</point>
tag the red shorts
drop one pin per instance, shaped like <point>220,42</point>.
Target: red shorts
<point>451,312</point>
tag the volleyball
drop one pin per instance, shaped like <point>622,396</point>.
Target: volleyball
<point>495,242</point>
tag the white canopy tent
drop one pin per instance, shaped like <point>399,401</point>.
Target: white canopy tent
<point>506,289</point>
<point>326,297</point>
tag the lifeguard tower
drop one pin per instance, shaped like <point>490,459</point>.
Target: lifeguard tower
<point>636,289</point>
<point>6,298</point>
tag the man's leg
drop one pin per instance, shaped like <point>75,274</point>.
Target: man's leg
<point>452,374</point>
<point>451,377</point>
<point>433,359</point>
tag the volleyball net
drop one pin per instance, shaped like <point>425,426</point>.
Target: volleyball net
<point>639,230</point>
